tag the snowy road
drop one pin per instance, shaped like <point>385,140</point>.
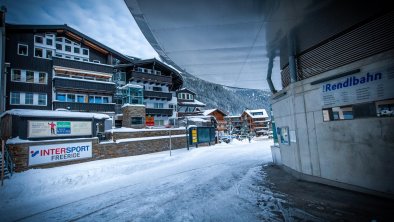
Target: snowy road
<point>214,183</point>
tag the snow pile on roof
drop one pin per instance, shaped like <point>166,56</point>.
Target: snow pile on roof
<point>257,113</point>
<point>199,119</point>
<point>196,102</point>
<point>130,85</point>
<point>50,113</point>
<point>128,104</point>
<point>207,112</point>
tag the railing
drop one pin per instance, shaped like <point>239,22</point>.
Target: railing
<point>151,111</point>
<point>160,95</point>
<point>146,77</point>
<point>82,65</point>
<point>72,84</point>
<point>85,107</point>
<point>8,163</point>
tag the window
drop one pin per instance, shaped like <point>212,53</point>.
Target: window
<point>91,99</point>
<point>76,58</point>
<point>86,60</point>
<point>70,98</point>
<point>59,39</point>
<point>136,120</point>
<point>85,51</point>
<point>158,105</point>
<point>42,77</point>
<point>42,99</point>
<point>29,98</point>
<point>67,41</point>
<point>15,98</point>
<point>105,100</point>
<point>80,98</point>
<point>76,50</point>
<point>96,61</point>
<point>155,88</point>
<point>59,46</point>
<point>16,75</point>
<point>67,57</point>
<point>61,97</point>
<point>49,54</point>
<point>98,99</point>
<point>22,49</point>
<point>59,55</point>
<point>67,48</point>
<point>385,108</point>
<point>49,42</point>
<point>38,39</point>
<point>30,76</point>
<point>38,52</point>
<point>338,113</point>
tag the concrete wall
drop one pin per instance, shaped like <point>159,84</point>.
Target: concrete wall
<point>356,152</point>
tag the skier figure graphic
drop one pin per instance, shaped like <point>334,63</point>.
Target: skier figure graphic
<point>52,125</point>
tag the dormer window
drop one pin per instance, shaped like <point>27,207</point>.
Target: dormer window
<point>38,39</point>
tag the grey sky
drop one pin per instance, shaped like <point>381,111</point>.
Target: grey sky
<point>107,21</point>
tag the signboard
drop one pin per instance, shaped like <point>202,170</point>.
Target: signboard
<point>194,135</point>
<point>150,121</point>
<point>46,154</point>
<point>366,86</point>
<point>41,128</point>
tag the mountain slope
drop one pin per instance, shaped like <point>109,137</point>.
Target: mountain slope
<point>229,99</point>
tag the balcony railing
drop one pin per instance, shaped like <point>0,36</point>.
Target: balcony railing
<point>159,95</point>
<point>153,111</point>
<point>82,65</point>
<point>153,78</point>
<point>83,85</point>
<point>85,107</point>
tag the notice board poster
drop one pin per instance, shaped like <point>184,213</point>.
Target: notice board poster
<point>37,129</point>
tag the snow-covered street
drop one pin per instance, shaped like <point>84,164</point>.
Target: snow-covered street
<point>215,183</point>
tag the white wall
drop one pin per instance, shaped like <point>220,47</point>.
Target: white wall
<point>358,152</point>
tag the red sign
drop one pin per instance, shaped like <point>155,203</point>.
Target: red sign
<point>150,121</point>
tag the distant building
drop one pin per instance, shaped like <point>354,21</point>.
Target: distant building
<point>56,67</point>
<point>234,124</point>
<point>150,83</point>
<point>188,105</point>
<point>257,120</point>
<point>219,116</point>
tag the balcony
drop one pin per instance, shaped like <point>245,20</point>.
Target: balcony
<point>152,78</point>
<point>158,95</point>
<point>82,65</point>
<point>85,107</point>
<point>153,111</point>
<point>62,83</point>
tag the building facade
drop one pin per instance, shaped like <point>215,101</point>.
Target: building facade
<point>188,105</point>
<point>257,121</point>
<point>157,83</point>
<point>220,119</point>
<point>56,67</point>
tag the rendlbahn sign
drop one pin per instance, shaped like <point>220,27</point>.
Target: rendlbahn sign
<point>45,154</point>
<point>371,84</point>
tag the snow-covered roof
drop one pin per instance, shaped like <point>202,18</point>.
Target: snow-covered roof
<point>50,113</point>
<point>130,85</point>
<point>209,111</point>
<point>252,114</point>
<point>196,102</point>
<point>128,104</point>
<point>233,116</point>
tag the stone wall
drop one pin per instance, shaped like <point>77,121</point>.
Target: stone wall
<point>144,133</point>
<point>105,150</point>
<point>133,111</point>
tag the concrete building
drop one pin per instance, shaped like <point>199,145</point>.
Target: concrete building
<point>334,107</point>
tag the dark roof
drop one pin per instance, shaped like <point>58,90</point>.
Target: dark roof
<point>66,28</point>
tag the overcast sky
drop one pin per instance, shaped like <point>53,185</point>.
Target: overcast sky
<point>107,21</point>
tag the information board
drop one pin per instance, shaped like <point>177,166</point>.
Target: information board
<point>37,129</point>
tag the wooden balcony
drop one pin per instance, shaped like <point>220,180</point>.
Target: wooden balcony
<point>96,67</point>
<point>85,107</point>
<point>69,84</point>
<point>158,95</point>
<point>151,78</point>
<point>153,111</point>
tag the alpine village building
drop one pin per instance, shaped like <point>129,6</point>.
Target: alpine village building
<point>50,67</point>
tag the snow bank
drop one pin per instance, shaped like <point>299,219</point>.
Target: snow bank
<point>50,113</point>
